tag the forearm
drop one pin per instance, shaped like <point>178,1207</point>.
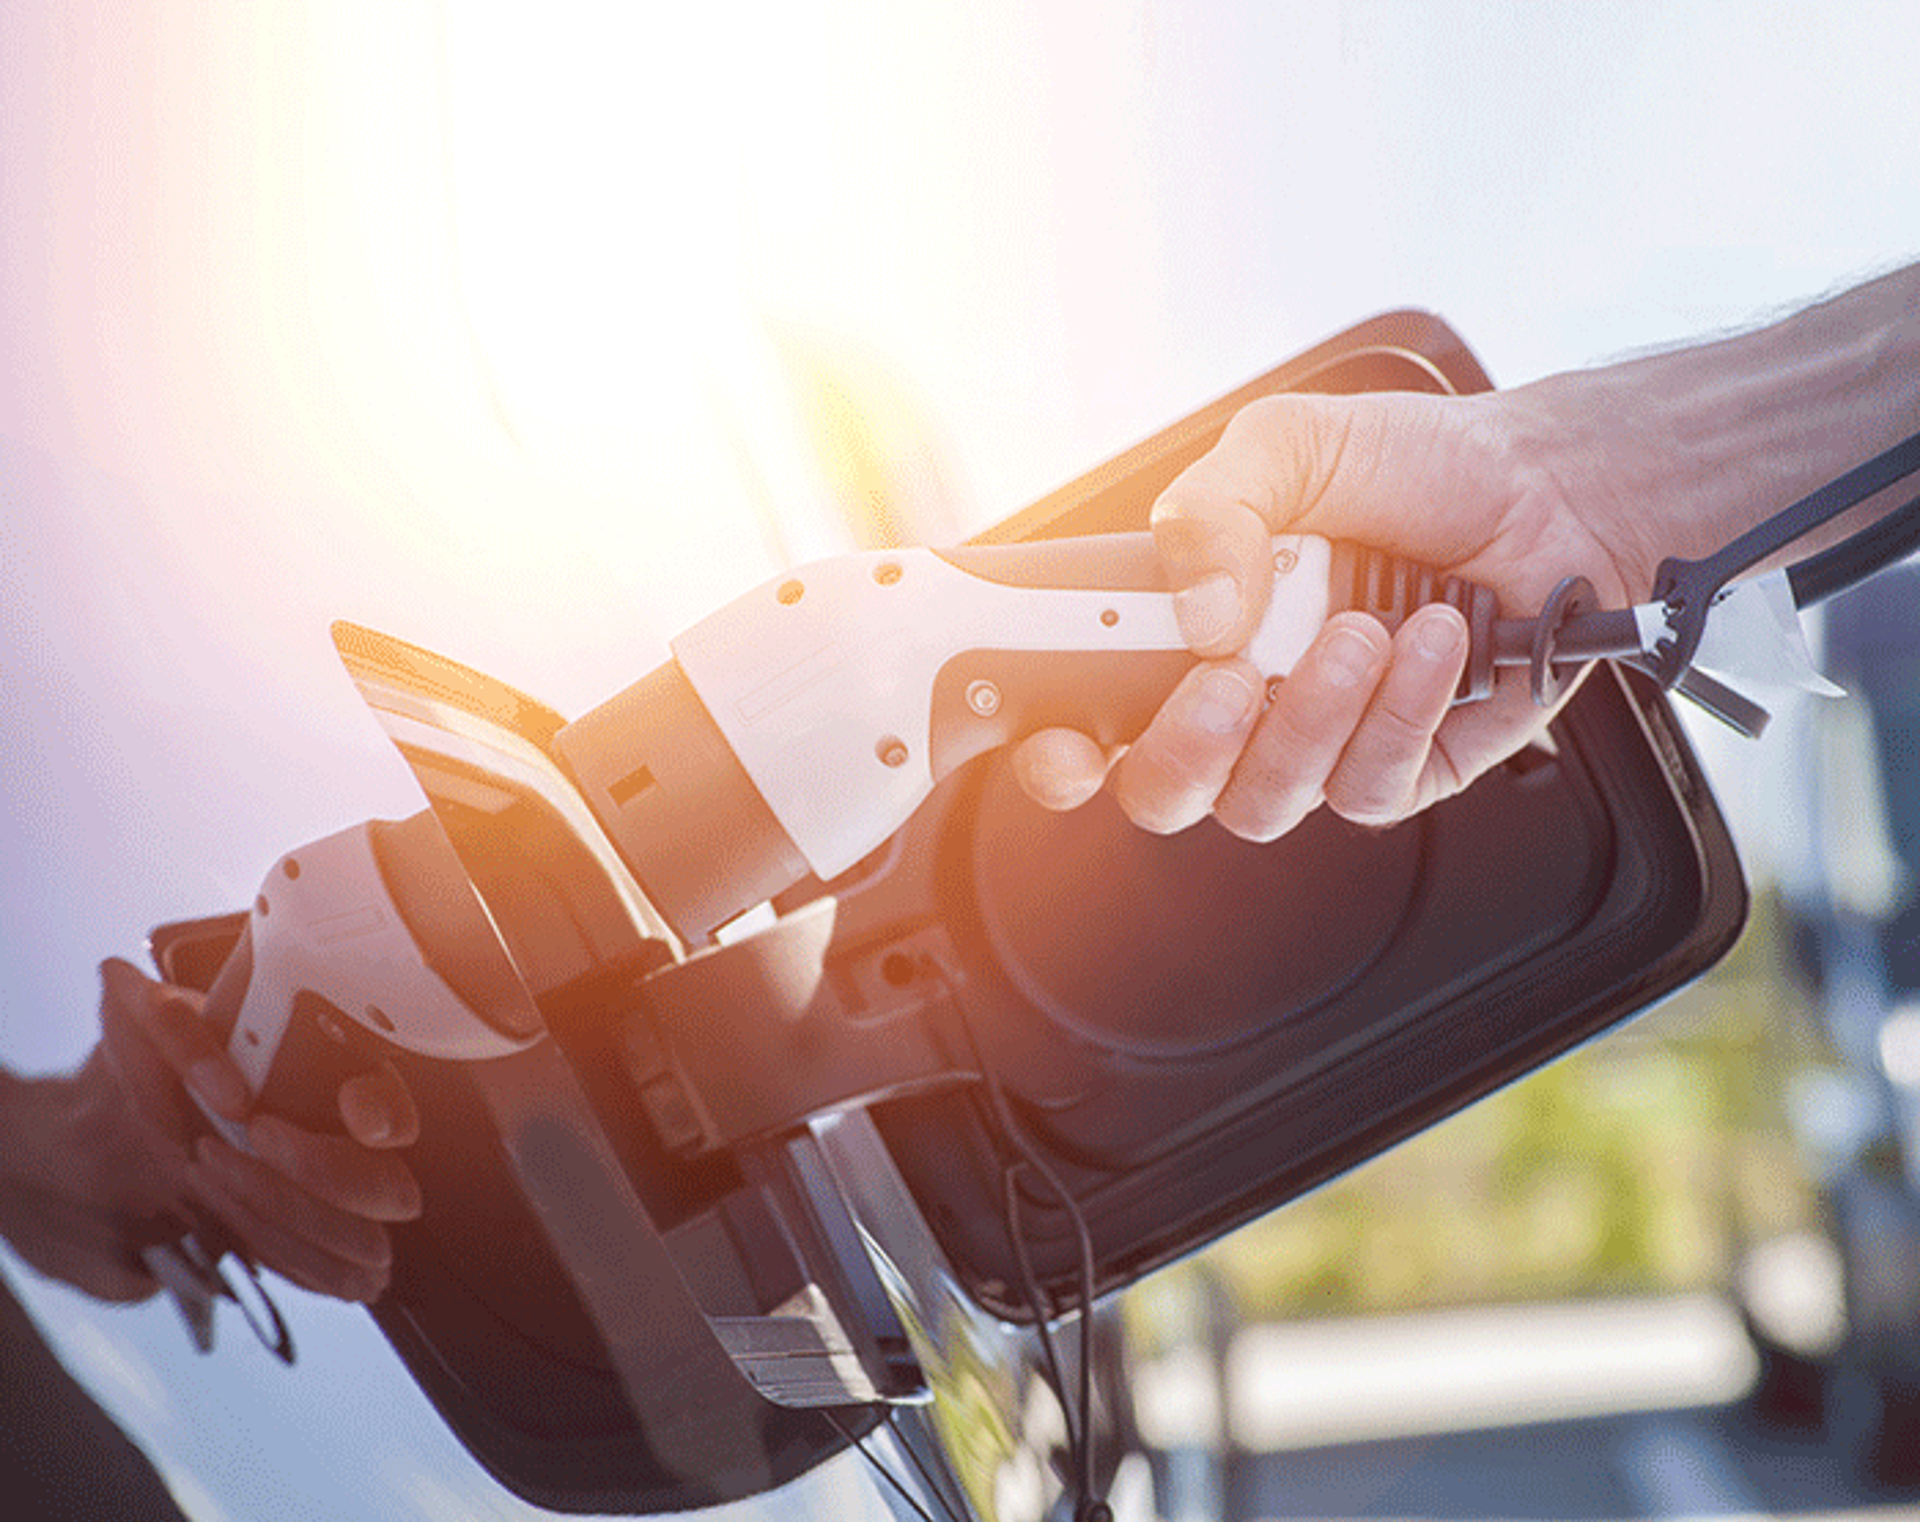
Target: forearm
<point>1680,452</point>
<point>66,1138</point>
<point>34,1128</point>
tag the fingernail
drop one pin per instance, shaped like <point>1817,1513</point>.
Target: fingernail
<point>1437,637</point>
<point>1222,702</point>
<point>1206,610</point>
<point>218,1086</point>
<point>185,1000</point>
<point>371,1121</point>
<point>1345,658</point>
<point>1036,769</point>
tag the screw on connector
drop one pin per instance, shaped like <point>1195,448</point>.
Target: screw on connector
<point>983,698</point>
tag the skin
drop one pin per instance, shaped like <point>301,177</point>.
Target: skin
<point>121,1143</point>
<point>1602,473</point>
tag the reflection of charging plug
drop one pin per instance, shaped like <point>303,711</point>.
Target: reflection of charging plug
<point>190,1272</point>
<point>182,1271</point>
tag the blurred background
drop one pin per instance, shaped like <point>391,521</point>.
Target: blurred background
<point>532,334</point>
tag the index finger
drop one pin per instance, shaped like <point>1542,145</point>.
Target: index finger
<point>171,1020</point>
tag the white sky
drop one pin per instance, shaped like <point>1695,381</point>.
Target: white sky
<point>273,275</point>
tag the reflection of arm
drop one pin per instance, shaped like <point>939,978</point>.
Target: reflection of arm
<point>117,1153</point>
<point>73,1181</point>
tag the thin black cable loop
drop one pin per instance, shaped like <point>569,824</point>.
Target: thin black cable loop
<point>934,1486</point>
<point>1030,1287</point>
<point>1080,1434</point>
<point>1088,1507</point>
<point>879,1468</point>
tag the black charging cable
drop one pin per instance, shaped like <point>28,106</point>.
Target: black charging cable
<point>1078,1413</point>
<point>859,1443</point>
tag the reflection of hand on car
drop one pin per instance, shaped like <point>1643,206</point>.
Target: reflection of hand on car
<point>1601,474</point>
<point>98,1161</point>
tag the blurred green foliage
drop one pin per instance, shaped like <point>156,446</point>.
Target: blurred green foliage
<point>1639,1164</point>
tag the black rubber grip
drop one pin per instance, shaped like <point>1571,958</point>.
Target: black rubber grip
<point>1390,587</point>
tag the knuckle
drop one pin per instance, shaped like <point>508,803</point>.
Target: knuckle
<point>338,1234</point>
<point>1166,789</point>
<point>362,1183</point>
<point>1167,768</point>
<point>1261,418</point>
<point>1369,801</point>
<point>1155,816</point>
<point>1375,787</point>
<point>1291,730</point>
<point>1257,823</point>
<point>1266,797</point>
<point>1393,730</point>
<point>351,1239</point>
<point>267,1191</point>
<point>372,1247</point>
<point>275,1144</point>
<point>333,1177</point>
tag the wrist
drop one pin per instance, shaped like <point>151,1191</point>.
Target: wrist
<point>65,1148</point>
<point>35,1128</point>
<point>68,1205</point>
<point>1679,453</point>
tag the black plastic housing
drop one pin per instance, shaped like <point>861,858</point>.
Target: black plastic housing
<point>1194,1030</point>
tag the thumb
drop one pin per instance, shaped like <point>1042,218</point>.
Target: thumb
<point>1214,524</point>
<point>1219,565</point>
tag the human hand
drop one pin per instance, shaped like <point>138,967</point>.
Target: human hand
<point>121,1146</point>
<point>1497,488</point>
